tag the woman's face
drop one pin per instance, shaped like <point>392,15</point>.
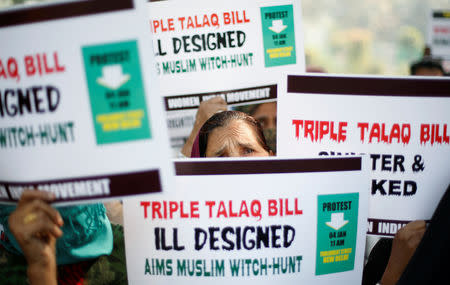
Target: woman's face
<point>234,140</point>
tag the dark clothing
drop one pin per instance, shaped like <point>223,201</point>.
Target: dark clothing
<point>377,261</point>
<point>429,264</point>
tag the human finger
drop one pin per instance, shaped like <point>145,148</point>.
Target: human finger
<point>216,100</point>
<point>42,227</point>
<point>410,233</point>
<point>222,107</point>
<point>416,236</point>
<point>409,237</point>
<point>30,195</point>
<point>28,211</point>
<point>214,103</point>
<point>409,229</point>
<point>52,213</point>
<point>414,225</point>
<point>38,227</point>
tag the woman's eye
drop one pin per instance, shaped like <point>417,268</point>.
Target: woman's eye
<point>248,150</point>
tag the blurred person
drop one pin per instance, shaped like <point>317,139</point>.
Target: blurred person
<point>36,226</point>
<point>315,69</point>
<point>404,244</point>
<point>427,67</point>
<point>416,254</point>
<point>389,257</point>
<point>266,115</point>
<point>428,264</point>
<point>231,134</point>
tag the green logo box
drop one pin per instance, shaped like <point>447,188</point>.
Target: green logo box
<point>278,35</point>
<point>337,225</point>
<point>116,92</point>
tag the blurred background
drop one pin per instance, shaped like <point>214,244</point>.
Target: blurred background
<point>356,36</point>
<point>367,36</point>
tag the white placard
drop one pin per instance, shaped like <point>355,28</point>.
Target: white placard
<point>79,110</point>
<point>251,222</point>
<point>439,34</point>
<point>234,49</point>
<point>401,124</point>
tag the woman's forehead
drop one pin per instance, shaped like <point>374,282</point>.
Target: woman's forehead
<point>236,133</point>
<point>233,138</point>
<point>235,128</point>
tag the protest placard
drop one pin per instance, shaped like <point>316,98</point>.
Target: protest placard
<point>233,49</point>
<point>79,108</point>
<point>439,34</point>
<point>401,124</point>
<point>259,221</point>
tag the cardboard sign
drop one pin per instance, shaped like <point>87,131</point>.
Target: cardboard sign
<point>234,49</point>
<point>401,124</point>
<point>439,34</point>
<point>79,110</point>
<point>260,221</point>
